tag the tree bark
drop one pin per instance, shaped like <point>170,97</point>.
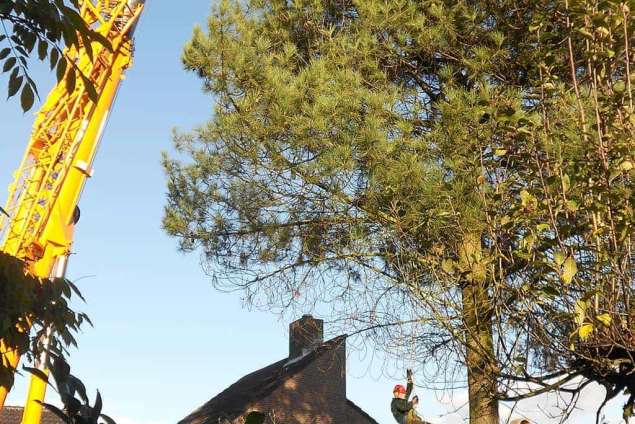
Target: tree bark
<point>477,321</point>
<point>481,377</point>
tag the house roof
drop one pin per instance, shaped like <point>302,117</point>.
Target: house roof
<point>13,415</point>
<point>233,401</point>
<point>361,411</point>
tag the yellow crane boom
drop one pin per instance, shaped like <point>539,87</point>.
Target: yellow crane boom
<point>45,192</point>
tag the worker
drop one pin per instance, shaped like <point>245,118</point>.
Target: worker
<point>402,409</point>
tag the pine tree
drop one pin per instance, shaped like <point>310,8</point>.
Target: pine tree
<point>422,167</point>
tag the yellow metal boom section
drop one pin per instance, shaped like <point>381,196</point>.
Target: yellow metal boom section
<point>65,136</point>
<point>46,189</point>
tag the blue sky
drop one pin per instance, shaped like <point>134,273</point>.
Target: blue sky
<point>164,340</point>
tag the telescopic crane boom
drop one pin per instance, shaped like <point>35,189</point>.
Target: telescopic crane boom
<point>44,195</point>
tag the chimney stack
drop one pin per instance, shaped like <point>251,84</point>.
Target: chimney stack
<point>304,335</point>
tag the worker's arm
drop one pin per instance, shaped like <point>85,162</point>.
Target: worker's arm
<point>410,384</point>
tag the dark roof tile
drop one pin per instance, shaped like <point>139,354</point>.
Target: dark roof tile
<point>13,415</point>
<point>361,411</point>
<point>233,401</point>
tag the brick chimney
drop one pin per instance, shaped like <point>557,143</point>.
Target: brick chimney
<point>304,335</point>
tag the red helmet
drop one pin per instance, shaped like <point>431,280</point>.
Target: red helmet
<point>399,389</point>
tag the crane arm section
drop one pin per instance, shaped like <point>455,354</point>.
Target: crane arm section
<point>45,192</point>
<point>58,159</point>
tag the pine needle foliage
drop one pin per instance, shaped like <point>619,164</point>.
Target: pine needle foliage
<point>453,178</point>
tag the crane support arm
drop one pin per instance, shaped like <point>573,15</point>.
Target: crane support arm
<point>44,195</point>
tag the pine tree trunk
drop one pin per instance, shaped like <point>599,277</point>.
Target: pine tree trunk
<point>477,320</point>
<point>480,374</point>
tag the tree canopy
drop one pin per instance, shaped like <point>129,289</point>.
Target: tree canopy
<point>40,28</point>
<point>29,310</point>
<point>455,178</point>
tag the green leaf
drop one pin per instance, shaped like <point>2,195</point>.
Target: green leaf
<point>447,265</point>
<point>37,372</point>
<point>70,36</point>
<point>72,406</point>
<point>524,130</point>
<point>604,319</point>
<point>88,47</point>
<point>580,312</point>
<point>627,165</point>
<point>4,52</point>
<point>9,64</point>
<point>76,290</point>
<point>21,50</point>
<point>75,18</point>
<point>55,410</point>
<point>525,197</point>
<point>586,33</point>
<point>71,80</point>
<point>571,205</point>
<point>107,419</point>
<point>29,41</point>
<point>87,318</point>
<point>90,89</point>
<point>559,257</point>
<point>15,82</point>
<point>61,69</point>
<point>78,386</point>
<point>585,331</point>
<point>566,183</point>
<point>61,370</point>
<point>33,86</point>
<point>550,291</point>
<point>97,407</point>
<point>42,49</point>
<point>542,227</point>
<point>602,31</point>
<point>569,269</point>
<point>96,36</point>
<point>27,97</point>
<point>619,87</point>
<point>54,57</point>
